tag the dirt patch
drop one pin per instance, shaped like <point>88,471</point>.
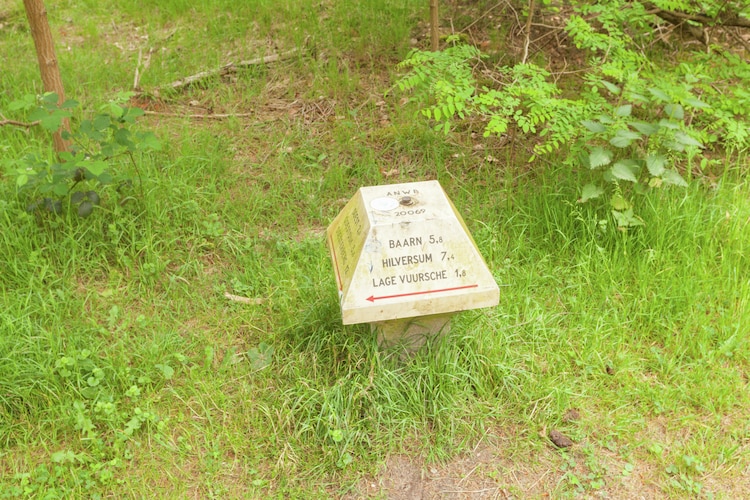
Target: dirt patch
<point>480,474</point>
<point>403,478</point>
<point>501,468</point>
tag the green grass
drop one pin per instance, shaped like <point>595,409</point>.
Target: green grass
<point>125,371</point>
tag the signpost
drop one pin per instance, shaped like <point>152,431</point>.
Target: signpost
<point>404,262</point>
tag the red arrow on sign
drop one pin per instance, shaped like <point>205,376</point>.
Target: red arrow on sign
<point>372,298</point>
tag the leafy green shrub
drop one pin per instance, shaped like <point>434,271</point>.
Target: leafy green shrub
<point>632,123</point>
<point>98,144</point>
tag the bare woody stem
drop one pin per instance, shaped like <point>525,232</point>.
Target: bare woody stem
<point>48,67</point>
<point>434,21</point>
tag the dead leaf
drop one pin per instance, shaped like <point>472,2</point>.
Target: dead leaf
<point>244,300</point>
<point>572,415</point>
<point>559,439</point>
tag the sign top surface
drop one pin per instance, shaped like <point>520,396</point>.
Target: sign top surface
<point>402,251</point>
<point>419,200</point>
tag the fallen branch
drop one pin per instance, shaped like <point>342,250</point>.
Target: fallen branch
<point>701,20</point>
<point>212,116</point>
<point>672,18</point>
<point>5,121</point>
<point>740,40</point>
<point>230,68</point>
<point>733,19</point>
<point>244,300</point>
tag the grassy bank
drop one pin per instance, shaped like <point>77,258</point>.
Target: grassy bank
<point>126,372</point>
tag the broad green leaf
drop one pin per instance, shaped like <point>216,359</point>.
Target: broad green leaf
<point>624,171</point>
<point>134,112</point>
<point>101,122</point>
<point>624,110</point>
<point>50,98</point>
<point>85,209</point>
<point>437,113</point>
<point>655,164</point>
<point>105,178</point>
<point>674,111</point>
<point>674,146</point>
<point>669,124</point>
<point>696,103</point>
<point>93,197</point>
<point>595,127</point>
<point>655,182</point>
<point>623,138</point>
<point>61,457</point>
<point>148,140</point>
<point>67,157</point>
<point>166,371</point>
<point>589,192</point>
<point>645,128</point>
<point>627,218</point>
<point>583,158</point>
<point>122,136</point>
<point>69,104</point>
<point>115,110</point>
<point>345,460</point>
<point>27,102</point>
<point>95,167</point>
<point>674,178</point>
<point>54,206</point>
<point>619,203</point>
<point>685,139</point>
<point>611,87</point>
<point>260,356</point>
<point>60,189</point>
<point>659,94</point>
<point>22,180</point>
<point>38,114</point>
<point>51,123</point>
<point>337,435</point>
<point>599,157</point>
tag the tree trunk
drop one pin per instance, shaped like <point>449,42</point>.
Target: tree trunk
<point>434,21</point>
<point>45,51</point>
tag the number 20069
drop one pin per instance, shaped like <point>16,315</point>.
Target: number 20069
<point>401,213</point>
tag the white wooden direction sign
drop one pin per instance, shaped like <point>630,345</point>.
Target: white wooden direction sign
<point>403,250</point>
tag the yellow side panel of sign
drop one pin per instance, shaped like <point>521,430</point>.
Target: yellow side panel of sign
<point>346,236</point>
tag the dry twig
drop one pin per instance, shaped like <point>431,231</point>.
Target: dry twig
<point>528,32</point>
<point>6,121</point>
<point>230,68</point>
<point>212,116</point>
<point>145,64</point>
<point>741,40</point>
<point>244,300</point>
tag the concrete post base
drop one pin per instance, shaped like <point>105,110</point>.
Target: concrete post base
<point>411,333</point>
